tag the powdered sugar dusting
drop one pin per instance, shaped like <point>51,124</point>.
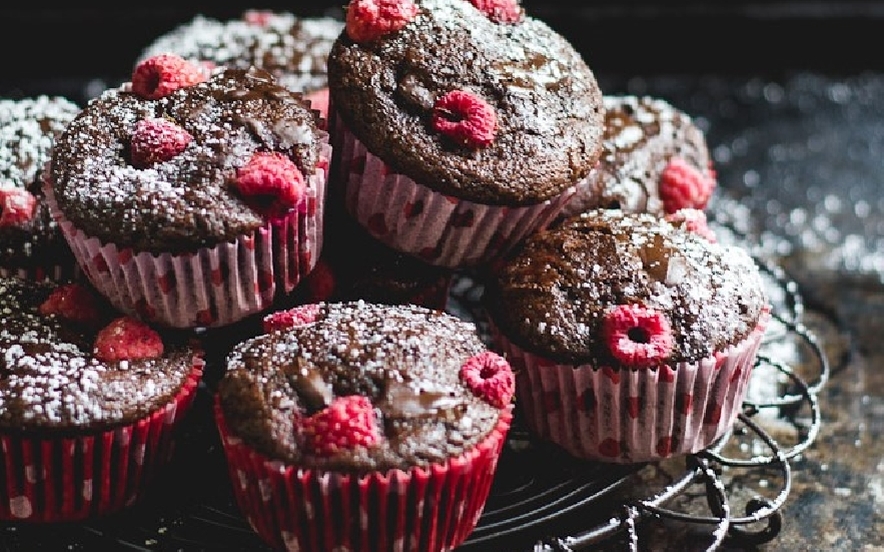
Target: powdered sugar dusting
<point>28,128</point>
<point>542,298</point>
<point>49,378</point>
<point>642,134</point>
<point>185,202</point>
<point>546,99</point>
<point>405,359</point>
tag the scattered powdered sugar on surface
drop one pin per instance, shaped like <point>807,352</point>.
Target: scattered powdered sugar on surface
<point>799,166</point>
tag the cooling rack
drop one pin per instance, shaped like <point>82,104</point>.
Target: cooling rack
<point>541,500</point>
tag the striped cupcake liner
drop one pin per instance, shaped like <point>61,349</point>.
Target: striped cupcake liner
<point>78,477</point>
<point>427,509</point>
<point>212,286</point>
<point>412,218</point>
<point>630,416</point>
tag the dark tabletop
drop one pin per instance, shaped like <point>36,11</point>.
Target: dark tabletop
<point>795,120</point>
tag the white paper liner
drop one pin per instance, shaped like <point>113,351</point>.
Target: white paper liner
<point>212,286</point>
<point>414,219</point>
<point>630,416</point>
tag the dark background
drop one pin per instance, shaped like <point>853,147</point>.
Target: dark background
<point>791,96</point>
<point>45,47</point>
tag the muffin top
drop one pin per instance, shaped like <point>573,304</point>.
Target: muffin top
<point>495,112</point>
<point>643,135</point>
<point>568,289</point>
<point>28,129</point>
<point>177,160</point>
<point>293,49</point>
<point>69,363</point>
<point>419,385</point>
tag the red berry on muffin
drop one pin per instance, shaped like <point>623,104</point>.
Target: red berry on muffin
<point>156,140</point>
<point>127,338</point>
<point>160,75</point>
<point>371,19</point>
<point>465,118</point>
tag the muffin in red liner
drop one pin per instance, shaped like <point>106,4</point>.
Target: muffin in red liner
<point>364,427</point>
<point>457,131</point>
<point>211,205</point>
<point>633,338</point>
<point>31,244</point>
<point>89,403</point>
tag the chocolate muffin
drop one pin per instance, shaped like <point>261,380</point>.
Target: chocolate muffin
<point>31,245</point>
<point>655,160</point>
<point>379,402</point>
<point>633,338</point>
<point>458,132</point>
<point>86,395</point>
<point>293,49</point>
<point>191,199</point>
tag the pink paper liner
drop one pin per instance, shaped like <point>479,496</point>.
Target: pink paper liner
<point>78,477</point>
<point>414,219</point>
<point>420,510</point>
<point>629,416</point>
<point>212,286</point>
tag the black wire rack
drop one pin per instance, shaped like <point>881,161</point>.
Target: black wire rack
<point>542,499</point>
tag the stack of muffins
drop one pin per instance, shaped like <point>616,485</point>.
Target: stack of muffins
<point>313,185</point>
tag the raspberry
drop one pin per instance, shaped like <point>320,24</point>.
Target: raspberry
<point>162,74</point>
<point>258,18</point>
<point>638,337</point>
<point>500,11</point>
<point>155,141</point>
<point>74,302</point>
<point>321,282</point>
<point>371,19</point>
<point>271,183</point>
<point>17,207</point>
<point>465,118</point>
<point>692,220</point>
<point>127,338</point>
<point>291,318</point>
<point>682,185</point>
<point>489,376</point>
<point>347,423</point>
